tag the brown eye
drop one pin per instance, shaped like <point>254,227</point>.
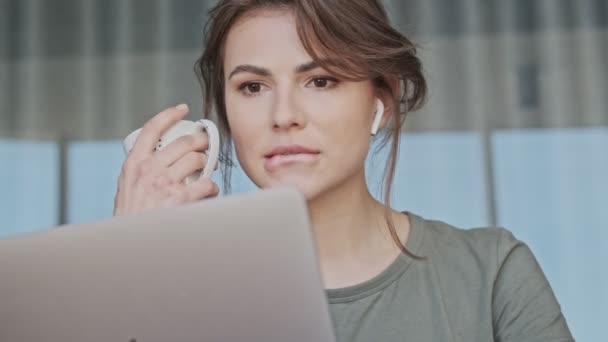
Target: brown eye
<point>323,83</point>
<point>320,82</point>
<point>253,87</point>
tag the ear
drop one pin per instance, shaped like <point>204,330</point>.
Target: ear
<point>378,116</point>
<point>384,103</point>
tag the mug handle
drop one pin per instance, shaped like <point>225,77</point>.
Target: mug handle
<point>214,146</point>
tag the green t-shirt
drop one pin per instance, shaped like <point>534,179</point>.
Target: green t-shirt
<point>475,285</point>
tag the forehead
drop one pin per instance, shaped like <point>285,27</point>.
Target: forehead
<point>264,37</point>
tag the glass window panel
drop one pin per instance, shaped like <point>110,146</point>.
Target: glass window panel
<point>29,183</point>
<point>439,175</point>
<point>551,188</point>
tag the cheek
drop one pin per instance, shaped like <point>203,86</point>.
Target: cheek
<point>245,130</point>
<point>242,134</point>
<point>347,108</point>
<point>348,125</point>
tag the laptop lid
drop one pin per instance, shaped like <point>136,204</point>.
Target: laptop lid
<point>239,268</point>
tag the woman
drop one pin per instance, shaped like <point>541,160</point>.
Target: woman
<point>296,86</point>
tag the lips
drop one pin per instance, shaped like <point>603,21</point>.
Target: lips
<point>290,149</point>
<point>283,156</point>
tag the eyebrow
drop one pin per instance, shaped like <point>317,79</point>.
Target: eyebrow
<point>302,68</point>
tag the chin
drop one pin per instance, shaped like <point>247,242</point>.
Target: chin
<point>307,187</point>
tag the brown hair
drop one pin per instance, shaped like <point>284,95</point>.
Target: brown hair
<point>351,38</point>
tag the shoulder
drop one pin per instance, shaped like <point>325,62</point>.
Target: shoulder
<point>477,251</point>
<point>478,242</point>
<point>489,266</point>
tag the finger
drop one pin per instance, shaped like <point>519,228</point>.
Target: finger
<point>202,188</point>
<point>187,165</point>
<point>179,147</point>
<point>153,129</point>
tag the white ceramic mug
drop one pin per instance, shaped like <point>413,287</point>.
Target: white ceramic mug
<point>182,128</point>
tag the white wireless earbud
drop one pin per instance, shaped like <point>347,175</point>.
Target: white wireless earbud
<point>378,117</point>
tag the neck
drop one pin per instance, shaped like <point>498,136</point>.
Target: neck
<point>352,238</point>
<point>349,224</point>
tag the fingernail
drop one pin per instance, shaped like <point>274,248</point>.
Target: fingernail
<point>182,107</point>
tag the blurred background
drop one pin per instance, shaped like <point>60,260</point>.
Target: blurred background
<point>515,132</point>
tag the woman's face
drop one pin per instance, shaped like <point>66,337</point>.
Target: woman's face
<point>292,123</point>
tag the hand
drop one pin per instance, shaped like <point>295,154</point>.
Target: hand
<point>150,179</point>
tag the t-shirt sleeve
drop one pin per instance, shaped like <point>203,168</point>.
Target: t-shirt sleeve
<point>524,307</point>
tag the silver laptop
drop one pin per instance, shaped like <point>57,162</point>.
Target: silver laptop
<point>238,268</point>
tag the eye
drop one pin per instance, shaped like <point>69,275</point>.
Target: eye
<point>324,82</point>
<point>250,88</point>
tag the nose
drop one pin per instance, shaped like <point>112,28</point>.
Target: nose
<point>287,114</point>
